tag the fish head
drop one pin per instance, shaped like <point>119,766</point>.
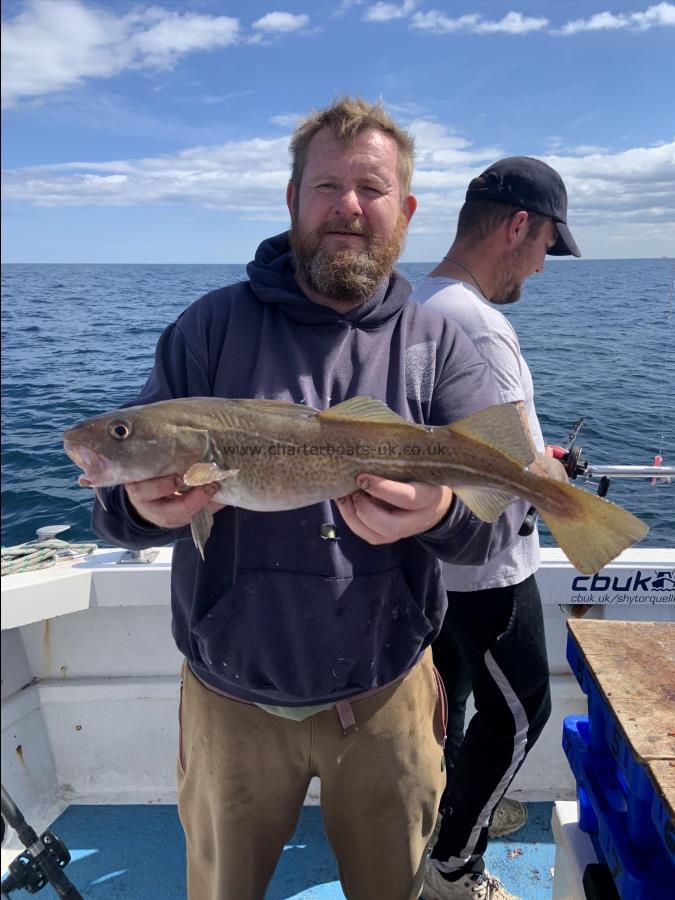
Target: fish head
<point>135,444</point>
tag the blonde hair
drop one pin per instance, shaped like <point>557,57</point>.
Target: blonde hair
<point>347,117</point>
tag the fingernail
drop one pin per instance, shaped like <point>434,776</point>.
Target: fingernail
<point>364,484</point>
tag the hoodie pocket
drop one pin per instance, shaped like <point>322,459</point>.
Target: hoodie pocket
<point>304,638</point>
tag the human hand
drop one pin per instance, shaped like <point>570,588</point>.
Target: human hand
<point>164,502</point>
<point>384,511</point>
<point>546,465</point>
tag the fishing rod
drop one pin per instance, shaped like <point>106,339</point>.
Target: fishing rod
<point>570,457</point>
<point>658,472</point>
<point>575,466</point>
<point>41,863</point>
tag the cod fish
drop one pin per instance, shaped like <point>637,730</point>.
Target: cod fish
<point>270,455</point>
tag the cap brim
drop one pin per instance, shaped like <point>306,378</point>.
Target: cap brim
<point>565,245</point>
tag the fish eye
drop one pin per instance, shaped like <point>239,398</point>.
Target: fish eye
<point>120,430</point>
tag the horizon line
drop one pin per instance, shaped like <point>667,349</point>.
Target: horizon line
<point>549,259</point>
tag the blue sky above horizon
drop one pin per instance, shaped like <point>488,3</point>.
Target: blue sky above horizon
<point>158,132</point>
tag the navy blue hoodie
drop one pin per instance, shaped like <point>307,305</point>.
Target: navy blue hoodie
<point>276,614</point>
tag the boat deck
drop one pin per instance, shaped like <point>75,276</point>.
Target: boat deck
<point>138,852</point>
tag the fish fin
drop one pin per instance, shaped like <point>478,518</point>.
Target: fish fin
<point>99,497</point>
<point>503,427</point>
<point>205,473</point>
<point>200,525</point>
<point>365,409</point>
<point>486,503</point>
<point>596,532</point>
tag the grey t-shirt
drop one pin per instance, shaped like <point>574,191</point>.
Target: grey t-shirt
<point>497,342</point>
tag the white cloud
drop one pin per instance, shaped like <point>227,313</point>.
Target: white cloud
<point>51,47</point>
<point>559,145</point>
<point>438,151</point>
<point>48,47</point>
<point>604,21</point>
<point>511,23</point>
<point>586,150</point>
<point>408,109</point>
<point>288,120</point>
<point>344,7</point>
<point>386,12</point>
<point>248,178</point>
<point>162,37</point>
<point>433,20</point>
<point>243,176</point>
<point>635,186</point>
<point>281,22</point>
<point>659,15</point>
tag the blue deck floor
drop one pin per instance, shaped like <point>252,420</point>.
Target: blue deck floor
<point>138,853</point>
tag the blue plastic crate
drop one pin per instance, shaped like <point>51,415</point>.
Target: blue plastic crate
<point>647,818</point>
<point>596,704</point>
<point>575,745</point>
<point>644,872</point>
<point>664,824</point>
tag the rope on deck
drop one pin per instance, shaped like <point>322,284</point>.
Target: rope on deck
<point>40,554</point>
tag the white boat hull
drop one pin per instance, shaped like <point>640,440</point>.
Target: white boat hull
<point>90,677</point>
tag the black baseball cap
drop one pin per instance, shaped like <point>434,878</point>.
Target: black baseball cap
<point>532,185</point>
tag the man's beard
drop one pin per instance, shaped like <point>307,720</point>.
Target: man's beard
<point>509,283</point>
<point>509,294</point>
<point>349,275</point>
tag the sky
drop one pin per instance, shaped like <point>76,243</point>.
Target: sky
<point>136,132</point>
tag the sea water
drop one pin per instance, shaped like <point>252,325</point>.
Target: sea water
<point>78,340</point>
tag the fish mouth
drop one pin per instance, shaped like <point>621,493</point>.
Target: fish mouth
<point>97,469</point>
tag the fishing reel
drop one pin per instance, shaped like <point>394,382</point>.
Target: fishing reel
<point>41,863</point>
<point>25,873</point>
<point>574,465</point>
<point>572,462</point>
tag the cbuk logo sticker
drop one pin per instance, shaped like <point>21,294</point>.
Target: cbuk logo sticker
<point>655,587</point>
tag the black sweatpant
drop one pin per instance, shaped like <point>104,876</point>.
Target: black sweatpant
<point>492,642</point>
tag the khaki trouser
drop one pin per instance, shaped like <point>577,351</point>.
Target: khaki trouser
<point>243,776</point>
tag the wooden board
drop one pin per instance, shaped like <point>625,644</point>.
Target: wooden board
<point>649,728</point>
<point>626,678</point>
<point>642,641</point>
<point>633,664</point>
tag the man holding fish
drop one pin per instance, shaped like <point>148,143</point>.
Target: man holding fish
<point>307,633</point>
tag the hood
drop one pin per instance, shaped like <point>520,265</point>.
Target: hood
<point>272,280</point>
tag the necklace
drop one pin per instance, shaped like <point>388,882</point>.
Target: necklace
<point>468,272</point>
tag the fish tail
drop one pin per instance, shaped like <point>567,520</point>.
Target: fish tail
<point>594,531</point>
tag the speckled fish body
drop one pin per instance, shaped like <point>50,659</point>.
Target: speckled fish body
<point>269,455</point>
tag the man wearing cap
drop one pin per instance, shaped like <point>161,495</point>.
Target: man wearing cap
<point>492,641</point>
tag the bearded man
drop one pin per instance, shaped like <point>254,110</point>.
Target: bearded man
<point>492,641</point>
<point>306,633</point>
